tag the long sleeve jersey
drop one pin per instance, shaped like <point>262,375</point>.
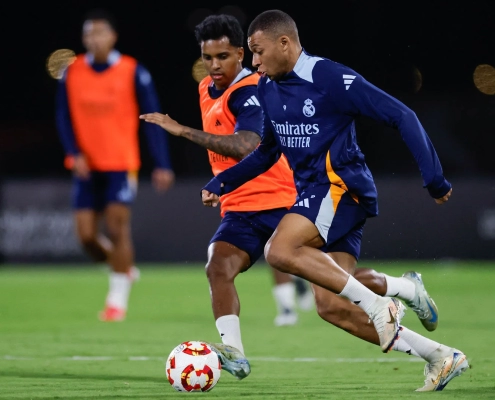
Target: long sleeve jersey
<point>309,116</point>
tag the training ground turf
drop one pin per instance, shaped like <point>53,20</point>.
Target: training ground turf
<point>52,345</point>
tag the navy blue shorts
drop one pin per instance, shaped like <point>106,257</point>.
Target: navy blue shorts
<point>249,231</point>
<point>103,188</point>
<point>337,216</point>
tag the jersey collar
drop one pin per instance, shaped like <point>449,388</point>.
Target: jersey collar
<point>113,57</point>
<point>244,72</point>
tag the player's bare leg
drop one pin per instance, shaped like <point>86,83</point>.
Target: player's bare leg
<point>372,279</point>
<point>293,249</point>
<point>347,316</point>
<point>284,293</point>
<point>409,287</point>
<point>225,262</point>
<point>118,225</point>
<point>121,260</point>
<point>280,277</point>
<point>344,314</point>
<point>95,244</point>
<point>341,312</point>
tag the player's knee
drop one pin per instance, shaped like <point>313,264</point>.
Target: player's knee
<point>220,272</point>
<point>87,239</point>
<point>93,248</point>
<point>278,257</point>
<point>117,231</point>
<point>117,223</point>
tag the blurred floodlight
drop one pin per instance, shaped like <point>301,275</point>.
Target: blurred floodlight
<point>58,61</point>
<point>417,80</point>
<point>198,70</point>
<point>484,78</point>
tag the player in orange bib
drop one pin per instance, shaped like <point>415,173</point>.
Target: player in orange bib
<point>232,129</point>
<point>231,113</point>
<point>98,100</point>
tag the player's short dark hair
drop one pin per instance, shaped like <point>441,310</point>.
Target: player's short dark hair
<point>274,23</point>
<point>216,26</point>
<point>102,15</point>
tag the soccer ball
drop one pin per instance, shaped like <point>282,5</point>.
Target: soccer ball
<point>193,367</point>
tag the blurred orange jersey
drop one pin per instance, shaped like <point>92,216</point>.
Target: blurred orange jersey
<point>104,113</point>
<point>272,189</point>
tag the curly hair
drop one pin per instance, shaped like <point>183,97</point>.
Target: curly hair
<point>217,26</point>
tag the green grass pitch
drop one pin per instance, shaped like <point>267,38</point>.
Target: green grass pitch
<point>52,345</point>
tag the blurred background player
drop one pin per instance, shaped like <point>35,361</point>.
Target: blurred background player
<point>98,101</point>
<point>232,121</point>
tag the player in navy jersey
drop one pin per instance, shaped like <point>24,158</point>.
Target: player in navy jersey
<point>232,122</point>
<point>310,105</point>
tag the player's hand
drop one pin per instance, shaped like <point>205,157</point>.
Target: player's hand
<point>81,168</point>
<point>445,198</point>
<point>163,120</point>
<point>162,179</point>
<point>209,199</point>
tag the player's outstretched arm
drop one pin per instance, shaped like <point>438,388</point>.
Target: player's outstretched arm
<point>165,122</point>
<point>163,176</point>
<point>363,98</point>
<point>237,146</point>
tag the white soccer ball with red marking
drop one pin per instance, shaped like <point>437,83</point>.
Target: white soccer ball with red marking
<point>193,367</point>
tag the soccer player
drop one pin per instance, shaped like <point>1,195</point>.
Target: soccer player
<point>232,121</point>
<point>98,101</point>
<point>310,105</point>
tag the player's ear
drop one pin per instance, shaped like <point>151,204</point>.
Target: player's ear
<point>284,42</point>
<point>240,53</point>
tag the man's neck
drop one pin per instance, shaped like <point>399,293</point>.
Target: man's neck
<point>295,54</point>
<point>109,58</point>
<point>100,58</point>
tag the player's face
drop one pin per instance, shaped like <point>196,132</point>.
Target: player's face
<point>222,61</point>
<point>270,56</point>
<point>98,38</point>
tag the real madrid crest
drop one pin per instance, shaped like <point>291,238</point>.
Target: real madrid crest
<point>309,108</point>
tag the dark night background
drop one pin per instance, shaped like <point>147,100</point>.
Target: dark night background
<point>387,42</point>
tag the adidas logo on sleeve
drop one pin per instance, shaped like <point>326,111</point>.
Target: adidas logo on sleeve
<point>348,79</point>
<point>252,101</point>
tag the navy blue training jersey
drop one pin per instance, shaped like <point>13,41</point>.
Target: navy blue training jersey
<point>309,116</point>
